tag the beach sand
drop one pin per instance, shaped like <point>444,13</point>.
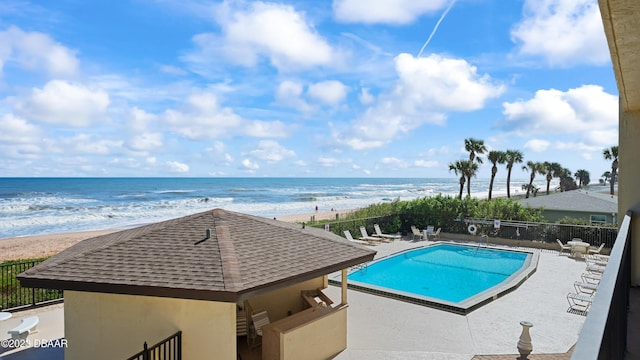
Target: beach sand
<point>37,246</point>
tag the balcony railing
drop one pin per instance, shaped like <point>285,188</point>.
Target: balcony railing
<point>13,296</point>
<point>604,333</point>
<point>167,349</point>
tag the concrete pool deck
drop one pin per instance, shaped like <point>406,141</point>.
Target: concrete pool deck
<point>384,328</point>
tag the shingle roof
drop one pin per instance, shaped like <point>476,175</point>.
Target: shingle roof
<point>245,255</point>
<point>576,200</point>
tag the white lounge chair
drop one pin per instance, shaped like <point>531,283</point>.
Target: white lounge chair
<point>379,233</point>
<point>366,237</point>
<point>594,250</point>
<point>585,287</point>
<point>27,326</point>
<point>564,247</point>
<point>434,235</point>
<point>579,302</point>
<point>591,278</point>
<point>259,319</point>
<point>416,233</point>
<point>595,269</point>
<point>347,234</point>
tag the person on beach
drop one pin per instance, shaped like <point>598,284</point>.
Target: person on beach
<point>316,208</point>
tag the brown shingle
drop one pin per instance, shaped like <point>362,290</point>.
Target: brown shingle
<point>245,255</point>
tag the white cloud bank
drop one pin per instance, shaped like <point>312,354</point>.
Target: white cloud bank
<point>562,32</point>
<point>426,88</point>
<point>395,12</point>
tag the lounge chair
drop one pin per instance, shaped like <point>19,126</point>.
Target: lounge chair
<point>380,234</point>
<point>366,237</point>
<point>585,287</point>
<point>564,247</point>
<point>591,278</point>
<point>347,234</point>
<point>594,250</point>
<point>416,233</point>
<point>259,319</point>
<point>27,326</point>
<point>434,235</point>
<point>579,302</point>
<point>595,269</point>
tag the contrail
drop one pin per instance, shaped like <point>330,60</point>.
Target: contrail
<point>435,28</point>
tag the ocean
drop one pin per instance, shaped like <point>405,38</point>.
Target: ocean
<point>33,206</point>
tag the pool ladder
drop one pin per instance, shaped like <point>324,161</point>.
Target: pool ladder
<point>484,237</point>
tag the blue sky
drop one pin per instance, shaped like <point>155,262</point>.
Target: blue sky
<point>345,88</point>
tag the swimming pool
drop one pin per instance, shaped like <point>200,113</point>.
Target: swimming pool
<point>454,277</point>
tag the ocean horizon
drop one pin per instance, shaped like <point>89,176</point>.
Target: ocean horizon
<point>39,205</point>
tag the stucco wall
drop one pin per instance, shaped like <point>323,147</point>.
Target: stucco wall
<point>556,215</point>
<point>110,326</point>
<point>629,191</point>
<point>280,302</point>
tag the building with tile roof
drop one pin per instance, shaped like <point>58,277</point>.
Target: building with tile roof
<point>194,274</point>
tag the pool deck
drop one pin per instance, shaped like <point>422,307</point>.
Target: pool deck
<point>384,328</point>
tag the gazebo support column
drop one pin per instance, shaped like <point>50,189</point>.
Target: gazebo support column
<point>344,286</point>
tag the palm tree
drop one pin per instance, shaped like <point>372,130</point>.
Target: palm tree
<point>475,147</point>
<point>612,154</point>
<point>606,175</point>
<point>553,170</point>
<point>496,157</point>
<point>566,180</point>
<point>464,168</point>
<point>512,157</point>
<point>583,177</point>
<point>535,168</point>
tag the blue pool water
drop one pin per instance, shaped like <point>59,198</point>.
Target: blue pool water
<point>443,271</point>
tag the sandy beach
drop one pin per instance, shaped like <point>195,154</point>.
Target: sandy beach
<point>37,246</point>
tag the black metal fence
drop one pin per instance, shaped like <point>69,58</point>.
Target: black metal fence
<point>508,229</point>
<point>167,349</point>
<point>14,296</point>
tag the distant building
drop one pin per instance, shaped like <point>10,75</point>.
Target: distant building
<point>594,205</point>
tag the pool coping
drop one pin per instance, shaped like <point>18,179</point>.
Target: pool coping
<point>463,307</point>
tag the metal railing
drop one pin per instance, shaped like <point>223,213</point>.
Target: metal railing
<point>13,296</point>
<point>167,349</point>
<point>604,333</point>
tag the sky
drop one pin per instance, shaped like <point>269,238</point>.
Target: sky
<point>341,88</point>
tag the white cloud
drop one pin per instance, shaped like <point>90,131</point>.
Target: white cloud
<point>61,102</point>
<point>202,118</point>
<point>92,145</point>
<point>289,94</point>
<point>15,130</point>
<point>426,87</point>
<point>271,151</point>
<point>394,162</point>
<point>562,32</point>
<point>36,51</point>
<point>537,145</point>
<point>331,92</point>
<point>426,163</point>
<point>581,110</point>
<point>330,161</point>
<point>255,30</point>
<point>365,97</point>
<point>250,164</point>
<point>146,142</point>
<point>384,11</point>
<point>177,167</point>
<point>265,129</point>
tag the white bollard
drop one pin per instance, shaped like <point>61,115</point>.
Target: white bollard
<point>524,344</point>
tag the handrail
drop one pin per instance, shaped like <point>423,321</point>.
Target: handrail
<point>603,334</point>
<point>166,349</point>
